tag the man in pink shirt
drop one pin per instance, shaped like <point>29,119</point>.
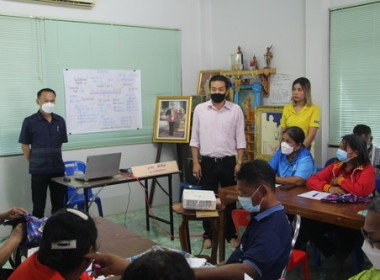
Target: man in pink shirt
<point>218,136</point>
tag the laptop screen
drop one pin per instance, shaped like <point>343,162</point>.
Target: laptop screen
<point>102,166</point>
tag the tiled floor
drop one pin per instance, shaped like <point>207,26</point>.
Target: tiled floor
<point>135,221</point>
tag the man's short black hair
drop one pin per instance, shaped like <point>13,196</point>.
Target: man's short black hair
<point>222,79</point>
<point>257,172</point>
<point>361,129</point>
<point>66,225</point>
<point>159,265</point>
<point>45,89</point>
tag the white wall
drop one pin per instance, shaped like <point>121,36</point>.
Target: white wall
<point>255,25</point>
<point>298,31</point>
<point>316,67</point>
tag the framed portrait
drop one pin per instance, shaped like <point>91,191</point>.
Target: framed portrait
<point>204,81</point>
<point>267,132</point>
<point>172,119</point>
<point>195,100</point>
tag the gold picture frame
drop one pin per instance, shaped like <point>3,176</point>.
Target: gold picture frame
<point>267,130</point>
<point>196,100</point>
<point>204,79</point>
<point>172,119</point>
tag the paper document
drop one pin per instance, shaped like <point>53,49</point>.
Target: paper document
<point>89,271</point>
<point>196,262</point>
<point>314,195</point>
<point>31,251</point>
<point>247,277</point>
<point>206,213</point>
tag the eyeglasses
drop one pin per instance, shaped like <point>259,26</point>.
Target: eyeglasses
<point>370,240</point>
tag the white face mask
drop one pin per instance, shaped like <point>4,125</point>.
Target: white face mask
<point>48,108</point>
<point>286,149</point>
<point>373,254</point>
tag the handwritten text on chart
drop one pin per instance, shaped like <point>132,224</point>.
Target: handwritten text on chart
<point>102,100</point>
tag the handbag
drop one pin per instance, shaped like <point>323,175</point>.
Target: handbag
<point>33,228</point>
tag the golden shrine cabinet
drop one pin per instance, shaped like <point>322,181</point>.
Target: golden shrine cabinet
<point>248,87</point>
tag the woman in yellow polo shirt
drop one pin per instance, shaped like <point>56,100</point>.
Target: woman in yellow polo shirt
<point>301,112</point>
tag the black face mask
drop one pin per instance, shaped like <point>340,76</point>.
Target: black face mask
<point>218,97</point>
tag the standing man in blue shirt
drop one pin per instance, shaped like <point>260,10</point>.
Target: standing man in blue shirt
<point>41,138</point>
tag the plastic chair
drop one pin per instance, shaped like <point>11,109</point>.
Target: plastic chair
<point>297,257</point>
<point>77,199</point>
<point>328,162</point>
<point>241,218</point>
<point>378,185</point>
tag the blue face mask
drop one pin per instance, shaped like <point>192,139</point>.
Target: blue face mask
<point>342,155</point>
<point>246,203</point>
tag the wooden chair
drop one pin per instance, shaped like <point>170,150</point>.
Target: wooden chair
<point>216,227</point>
<point>228,195</point>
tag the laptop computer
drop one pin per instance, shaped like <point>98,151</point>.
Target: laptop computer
<point>100,166</point>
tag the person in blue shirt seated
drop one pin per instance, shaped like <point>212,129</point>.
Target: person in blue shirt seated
<point>265,245</point>
<point>293,163</point>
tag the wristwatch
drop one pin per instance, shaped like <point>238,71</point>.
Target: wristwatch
<point>239,162</point>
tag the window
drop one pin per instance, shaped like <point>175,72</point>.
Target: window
<point>354,70</point>
<point>34,53</point>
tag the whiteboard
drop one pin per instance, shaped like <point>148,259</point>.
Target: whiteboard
<point>102,100</point>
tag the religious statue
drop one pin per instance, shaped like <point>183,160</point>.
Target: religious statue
<point>268,56</point>
<point>240,67</point>
<point>253,65</point>
<point>237,84</point>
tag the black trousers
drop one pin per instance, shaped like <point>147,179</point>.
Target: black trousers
<point>171,128</point>
<point>40,184</point>
<point>221,171</point>
<point>5,273</point>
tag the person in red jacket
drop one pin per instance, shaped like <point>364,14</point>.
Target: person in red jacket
<point>352,173</point>
<point>68,236</point>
